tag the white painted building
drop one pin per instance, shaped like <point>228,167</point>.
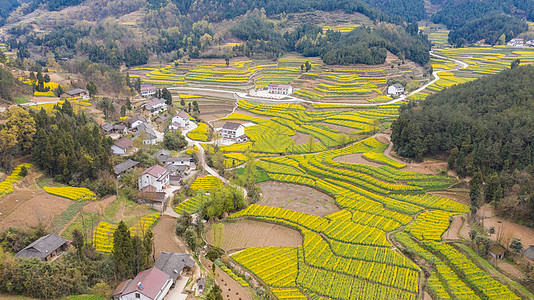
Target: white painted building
<point>232,130</point>
<point>154,179</point>
<point>135,121</point>
<point>120,147</point>
<point>148,90</point>
<point>517,42</point>
<point>181,120</point>
<point>147,134</point>
<point>395,89</point>
<point>155,105</point>
<point>282,89</point>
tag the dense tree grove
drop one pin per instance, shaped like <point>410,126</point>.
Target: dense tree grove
<point>487,129</point>
<point>410,10</point>
<point>69,146</point>
<point>493,29</point>
<point>362,45</point>
<point>455,13</point>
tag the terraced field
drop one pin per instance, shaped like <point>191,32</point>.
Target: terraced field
<point>348,254</point>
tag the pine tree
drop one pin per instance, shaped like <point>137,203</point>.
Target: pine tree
<point>122,250</point>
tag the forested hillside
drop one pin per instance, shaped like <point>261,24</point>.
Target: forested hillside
<point>486,127</point>
<point>494,28</point>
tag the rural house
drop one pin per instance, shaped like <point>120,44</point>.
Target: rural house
<point>124,166</point>
<point>151,284</point>
<point>120,128</point>
<point>161,155</point>
<point>155,105</point>
<point>121,146</point>
<point>517,42</point>
<point>108,128</point>
<point>181,120</point>
<point>149,196</point>
<point>232,130</point>
<point>147,134</point>
<point>282,89</point>
<point>174,264</point>
<point>148,90</point>
<point>75,93</point>
<point>155,176</point>
<point>45,248</point>
<point>396,89</point>
<point>135,121</point>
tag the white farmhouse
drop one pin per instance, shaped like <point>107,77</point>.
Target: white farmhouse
<point>232,130</point>
<point>181,120</point>
<point>282,89</point>
<point>151,284</point>
<point>517,42</point>
<point>135,121</point>
<point>155,105</point>
<point>154,179</point>
<point>395,89</point>
<point>148,90</point>
<point>121,146</point>
<point>147,134</point>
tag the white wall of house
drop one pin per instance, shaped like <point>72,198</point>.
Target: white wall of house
<point>132,296</point>
<point>181,163</point>
<point>136,123</point>
<point>149,142</point>
<point>118,150</point>
<point>147,179</point>
<point>179,120</point>
<point>240,131</point>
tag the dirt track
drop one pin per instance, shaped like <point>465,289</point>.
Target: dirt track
<point>164,237</point>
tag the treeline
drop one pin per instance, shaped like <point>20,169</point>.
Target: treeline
<point>495,21</point>
<point>486,127</point>
<point>68,146</point>
<point>6,7</point>
<point>409,10</point>
<point>455,13</point>
<point>495,28</point>
<point>217,10</point>
<point>362,45</point>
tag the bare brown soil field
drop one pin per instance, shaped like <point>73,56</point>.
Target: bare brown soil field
<point>26,207</point>
<point>298,198</point>
<point>457,194</point>
<point>231,290</point>
<point>510,270</point>
<point>339,128</point>
<point>98,207</point>
<point>426,167</point>
<point>356,158</point>
<point>248,233</point>
<point>165,238</point>
<point>302,138</point>
<point>454,230</point>
<point>505,230</point>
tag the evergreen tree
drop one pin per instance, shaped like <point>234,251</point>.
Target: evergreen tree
<point>92,89</point>
<point>123,250</point>
<point>165,94</point>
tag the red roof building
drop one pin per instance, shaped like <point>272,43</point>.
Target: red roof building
<point>151,284</point>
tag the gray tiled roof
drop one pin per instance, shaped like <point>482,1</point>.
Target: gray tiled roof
<point>172,263</point>
<point>42,247</point>
<point>125,165</point>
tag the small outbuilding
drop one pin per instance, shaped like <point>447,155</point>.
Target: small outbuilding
<point>529,253</point>
<point>497,251</point>
<point>45,248</point>
<point>124,166</point>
